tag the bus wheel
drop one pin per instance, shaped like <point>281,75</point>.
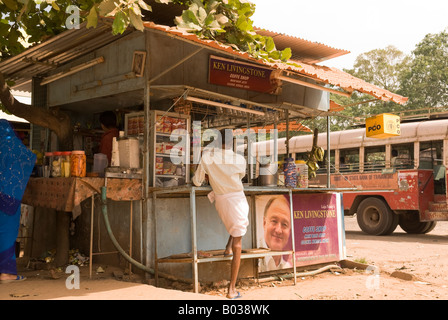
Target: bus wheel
<point>410,222</point>
<point>393,225</point>
<point>375,217</point>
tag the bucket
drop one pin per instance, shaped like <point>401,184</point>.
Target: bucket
<point>129,153</point>
<point>100,163</point>
<point>268,175</point>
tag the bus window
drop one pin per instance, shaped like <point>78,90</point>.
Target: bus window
<point>431,158</point>
<point>374,158</point>
<point>323,164</point>
<point>402,156</point>
<point>302,156</point>
<point>430,154</point>
<point>350,161</point>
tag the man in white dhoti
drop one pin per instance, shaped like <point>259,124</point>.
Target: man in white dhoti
<point>225,169</point>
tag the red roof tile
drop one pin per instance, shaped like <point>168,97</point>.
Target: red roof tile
<point>327,75</point>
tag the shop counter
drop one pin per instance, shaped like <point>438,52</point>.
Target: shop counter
<point>65,196</point>
<point>326,210</point>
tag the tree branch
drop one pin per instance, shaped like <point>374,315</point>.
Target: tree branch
<point>56,121</point>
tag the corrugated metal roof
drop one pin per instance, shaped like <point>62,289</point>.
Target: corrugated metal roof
<point>303,50</point>
<point>54,52</point>
<point>323,74</point>
<point>74,43</point>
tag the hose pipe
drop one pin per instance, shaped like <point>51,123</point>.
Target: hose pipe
<point>120,249</point>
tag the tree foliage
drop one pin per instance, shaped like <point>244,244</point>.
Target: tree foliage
<point>426,81</point>
<point>29,21</point>
<point>26,22</point>
<point>381,67</point>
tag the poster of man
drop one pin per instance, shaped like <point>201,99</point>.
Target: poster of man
<point>318,229</point>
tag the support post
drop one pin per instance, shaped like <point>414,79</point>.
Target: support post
<point>293,237</point>
<point>194,239</point>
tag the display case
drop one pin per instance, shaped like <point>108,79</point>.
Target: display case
<point>134,123</point>
<point>170,135</point>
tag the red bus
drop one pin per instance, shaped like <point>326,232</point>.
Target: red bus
<point>397,181</point>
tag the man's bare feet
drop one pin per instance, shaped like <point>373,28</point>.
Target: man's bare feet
<point>233,294</point>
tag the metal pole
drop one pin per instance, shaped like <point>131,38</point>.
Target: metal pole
<point>287,134</point>
<point>91,235</point>
<point>293,238</point>
<point>141,231</point>
<point>328,154</point>
<point>194,238</point>
<point>156,259</point>
<point>130,237</point>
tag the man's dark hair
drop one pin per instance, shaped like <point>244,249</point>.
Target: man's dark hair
<point>108,119</point>
<point>226,137</point>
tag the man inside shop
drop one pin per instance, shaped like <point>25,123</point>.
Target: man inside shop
<point>225,169</point>
<point>108,121</point>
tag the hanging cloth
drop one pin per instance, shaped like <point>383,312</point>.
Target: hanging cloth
<point>16,165</point>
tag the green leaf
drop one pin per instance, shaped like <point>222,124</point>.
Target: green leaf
<point>202,15</point>
<point>286,54</point>
<point>147,7</point>
<point>270,45</point>
<point>92,18</point>
<point>136,20</point>
<point>120,23</point>
<point>242,24</point>
<point>106,7</point>
<point>11,4</point>
<point>4,29</point>
<point>189,16</point>
<point>55,6</point>
<point>209,20</point>
<point>274,55</point>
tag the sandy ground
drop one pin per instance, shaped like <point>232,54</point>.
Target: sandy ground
<point>409,267</point>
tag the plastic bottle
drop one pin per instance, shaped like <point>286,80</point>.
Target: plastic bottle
<point>78,163</point>
<point>290,171</point>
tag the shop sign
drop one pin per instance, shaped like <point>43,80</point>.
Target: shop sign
<point>383,126</point>
<point>318,229</point>
<point>242,75</point>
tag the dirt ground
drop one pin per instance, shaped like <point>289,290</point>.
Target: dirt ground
<point>408,267</point>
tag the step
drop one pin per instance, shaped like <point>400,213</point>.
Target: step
<point>438,206</point>
<point>434,216</point>
<point>439,198</point>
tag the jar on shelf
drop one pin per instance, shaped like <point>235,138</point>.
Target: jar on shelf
<point>56,164</point>
<point>65,164</point>
<point>290,172</point>
<point>78,163</point>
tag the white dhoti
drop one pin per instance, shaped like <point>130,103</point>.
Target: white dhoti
<point>233,210</point>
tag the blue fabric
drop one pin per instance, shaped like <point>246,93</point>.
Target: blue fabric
<point>16,165</point>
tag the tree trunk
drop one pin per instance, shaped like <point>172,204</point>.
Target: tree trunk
<point>62,238</point>
<point>55,120</point>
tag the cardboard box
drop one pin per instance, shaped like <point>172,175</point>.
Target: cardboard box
<point>383,126</point>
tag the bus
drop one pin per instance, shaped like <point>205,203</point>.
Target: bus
<point>399,180</point>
